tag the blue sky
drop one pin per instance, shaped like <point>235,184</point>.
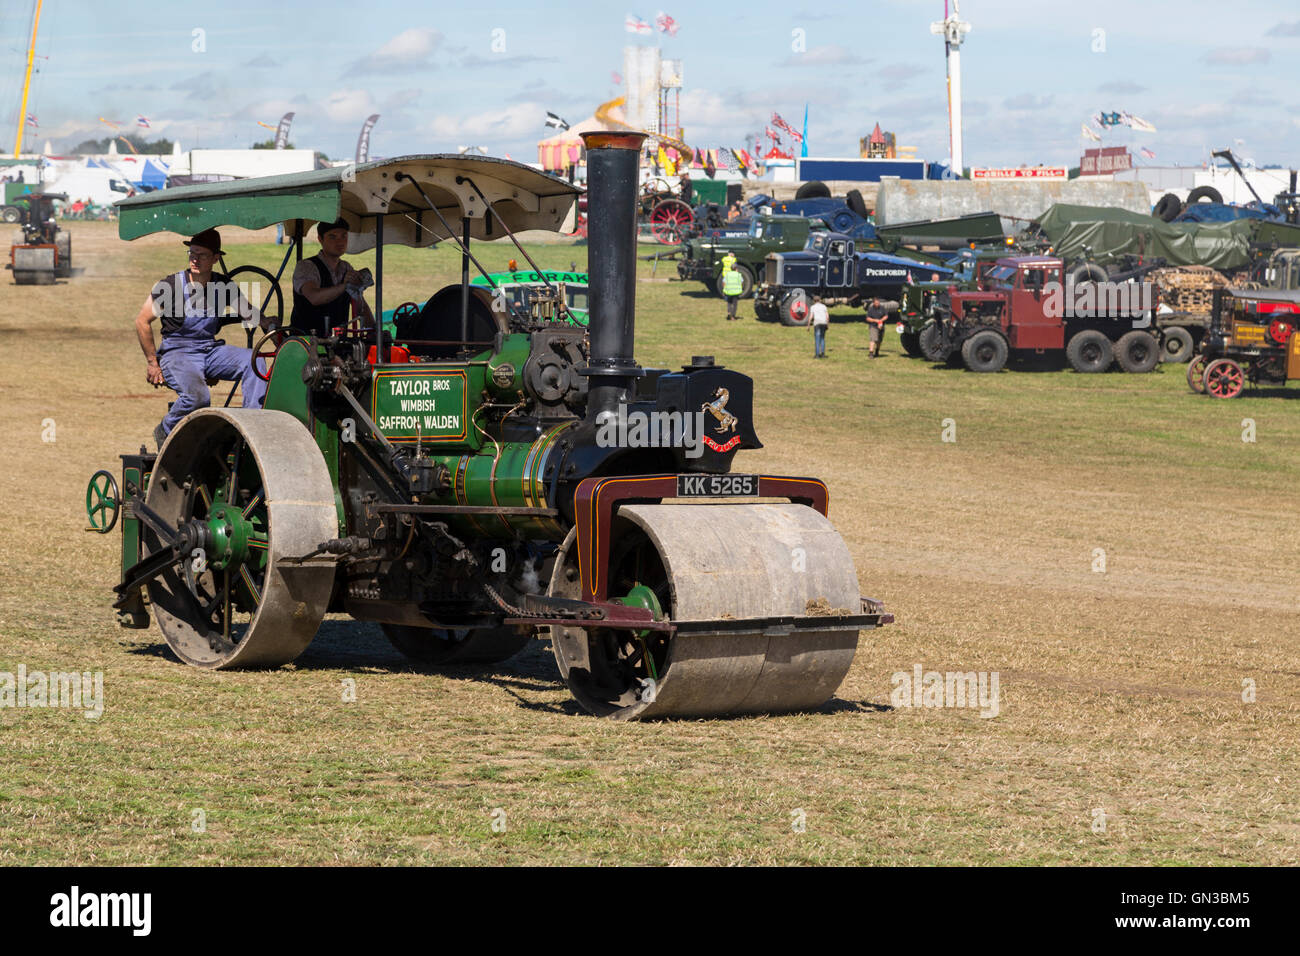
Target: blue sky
<point>1204,73</point>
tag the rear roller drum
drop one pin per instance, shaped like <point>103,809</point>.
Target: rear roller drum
<point>248,496</point>
<point>712,563</point>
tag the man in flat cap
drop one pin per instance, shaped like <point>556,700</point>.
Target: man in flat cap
<point>192,305</point>
<point>324,286</point>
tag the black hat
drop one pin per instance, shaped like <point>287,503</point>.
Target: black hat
<point>209,239</point>
<point>324,227</point>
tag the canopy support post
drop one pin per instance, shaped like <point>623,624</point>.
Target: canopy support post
<point>379,289</point>
<point>464,280</point>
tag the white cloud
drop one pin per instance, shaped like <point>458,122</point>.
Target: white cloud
<point>409,50</point>
<point>1237,55</point>
<point>828,54</point>
<point>345,106</point>
<point>488,128</point>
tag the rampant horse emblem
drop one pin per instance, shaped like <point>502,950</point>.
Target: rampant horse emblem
<point>718,409</point>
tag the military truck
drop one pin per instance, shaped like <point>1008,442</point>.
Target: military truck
<point>839,270</point>
<point>701,259</point>
<point>1024,305</point>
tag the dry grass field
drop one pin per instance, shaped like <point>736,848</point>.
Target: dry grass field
<point>1121,690</point>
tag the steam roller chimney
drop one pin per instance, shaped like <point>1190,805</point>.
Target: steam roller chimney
<point>613,161</point>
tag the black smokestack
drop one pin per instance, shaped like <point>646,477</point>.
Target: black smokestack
<point>613,161</point>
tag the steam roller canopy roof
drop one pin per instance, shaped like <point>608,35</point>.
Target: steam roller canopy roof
<point>523,197</point>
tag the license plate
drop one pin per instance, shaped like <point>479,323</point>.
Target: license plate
<point>717,486</point>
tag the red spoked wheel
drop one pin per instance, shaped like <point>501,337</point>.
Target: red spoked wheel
<point>268,346</point>
<point>671,220</point>
<point>1196,374</point>
<point>1280,332</point>
<point>406,312</point>
<point>1224,379</point>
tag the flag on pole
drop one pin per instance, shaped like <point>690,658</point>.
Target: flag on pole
<point>1147,153</point>
<point>666,24</point>
<point>142,121</point>
<point>781,124</point>
<point>803,148</point>
<point>1137,123</point>
<point>634,24</point>
<point>554,121</point>
<point>1089,133</point>
<point>31,120</point>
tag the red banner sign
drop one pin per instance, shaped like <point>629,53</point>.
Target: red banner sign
<point>1105,160</point>
<point>1023,172</point>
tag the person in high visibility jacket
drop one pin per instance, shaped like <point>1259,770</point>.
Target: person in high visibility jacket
<point>733,284</point>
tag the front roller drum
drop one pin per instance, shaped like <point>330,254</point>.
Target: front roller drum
<point>252,487</point>
<point>711,563</point>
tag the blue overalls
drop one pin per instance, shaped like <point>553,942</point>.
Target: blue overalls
<point>191,355</point>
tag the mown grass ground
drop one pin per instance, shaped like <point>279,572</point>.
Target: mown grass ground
<point>1121,691</point>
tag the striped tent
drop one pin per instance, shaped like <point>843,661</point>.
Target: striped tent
<point>564,149</point>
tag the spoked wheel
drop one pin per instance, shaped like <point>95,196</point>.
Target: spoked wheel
<point>263,291</point>
<point>671,220</point>
<point>1196,374</point>
<point>102,501</point>
<point>268,347</point>
<point>406,312</point>
<point>239,499</point>
<point>732,562</point>
<point>436,645</point>
<point>1224,379</point>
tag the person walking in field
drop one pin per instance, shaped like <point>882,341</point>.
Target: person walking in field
<point>876,326</point>
<point>733,284</point>
<point>819,321</point>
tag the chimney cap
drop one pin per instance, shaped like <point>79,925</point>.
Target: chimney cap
<point>700,361</point>
<point>612,139</point>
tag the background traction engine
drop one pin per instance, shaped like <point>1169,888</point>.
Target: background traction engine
<point>468,503</point>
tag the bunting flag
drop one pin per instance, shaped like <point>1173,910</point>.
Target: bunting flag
<point>666,24</point>
<point>265,125</point>
<point>668,166</point>
<point>634,24</point>
<point>109,123</point>
<point>1147,153</point>
<point>1089,133</point>
<point>774,136</point>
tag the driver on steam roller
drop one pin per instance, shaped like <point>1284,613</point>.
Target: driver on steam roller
<point>192,305</point>
<point>324,285</point>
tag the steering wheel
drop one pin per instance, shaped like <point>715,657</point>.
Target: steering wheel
<point>405,311</point>
<point>278,337</point>
<point>272,299</point>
